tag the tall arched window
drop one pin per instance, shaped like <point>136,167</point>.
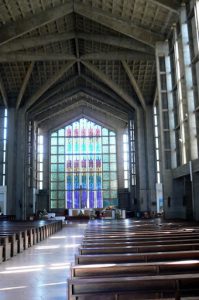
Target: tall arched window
<point>83,166</point>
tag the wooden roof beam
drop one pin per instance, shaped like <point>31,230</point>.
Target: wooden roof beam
<point>48,84</point>
<point>18,28</point>
<point>118,24</point>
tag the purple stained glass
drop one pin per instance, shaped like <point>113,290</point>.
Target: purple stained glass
<point>69,199</point>
<point>84,198</point>
<point>91,199</point>
<point>76,199</point>
<point>99,199</point>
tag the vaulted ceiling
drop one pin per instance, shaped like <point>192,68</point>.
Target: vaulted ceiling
<point>55,53</point>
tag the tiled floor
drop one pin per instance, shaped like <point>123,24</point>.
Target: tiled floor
<point>41,272</point>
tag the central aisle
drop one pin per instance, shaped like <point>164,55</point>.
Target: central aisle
<point>41,272</point>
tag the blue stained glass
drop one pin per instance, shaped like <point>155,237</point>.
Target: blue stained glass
<point>84,199</point>
<point>99,199</point>
<point>91,182</point>
<point>91,199</point>
<point>69,183</point>
<point>81,162</point>
<point>69,198</point>
<point>84,181</point>
<point>76,181</point>
<point>99,182</point>
<point>76,198</point>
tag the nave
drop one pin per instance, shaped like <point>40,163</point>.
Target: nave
<point>41,272</point>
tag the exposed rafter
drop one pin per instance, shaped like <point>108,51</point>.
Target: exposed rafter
<point>81,98</point>
<point>20,27</point>
<point>111,94</point>
<point>109,82</point>
<point>24,84</point>
<point>30,42</point>
<point>118,55</point>
<point>43,40</point>
<point>118,24</point>
<point>122,42</point>
<point>48,84</point>
<point>3,92</point>
<point>134,84</point>
<point>38,109</point>
<point>53,93</point>
<point>25,56</point>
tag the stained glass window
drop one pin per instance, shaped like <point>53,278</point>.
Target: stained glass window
<point>83,166</point>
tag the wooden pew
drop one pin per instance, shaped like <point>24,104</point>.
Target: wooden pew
<point>97,244</point>
<point>136,257</point>
<point>134,269</point>
<point>139,249</point>
<point>16,236</point>
<point>128,288</point>
<point>4,241</point>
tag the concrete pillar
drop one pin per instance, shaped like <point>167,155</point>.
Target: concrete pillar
<point>141,168</point>
<point>120,161</point>
<point>12,206</point>
<point>150,153</point>
<point>171,112</point>
<point>20,194</point>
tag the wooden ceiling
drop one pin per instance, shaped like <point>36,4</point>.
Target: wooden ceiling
<point>53,52</point>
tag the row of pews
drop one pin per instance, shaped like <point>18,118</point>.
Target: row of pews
<point>17,236</point>
<point>126,259</point>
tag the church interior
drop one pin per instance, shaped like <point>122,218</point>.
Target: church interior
<point>99,139</point>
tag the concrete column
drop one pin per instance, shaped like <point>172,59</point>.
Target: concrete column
<point>171,112</point>
<point>45,160</point>
<point>150,153</point>
<point>141,168</point>
<point>12,206</point>
<point>193,147</point>
<point>120,161</point>
<point>20,194</point>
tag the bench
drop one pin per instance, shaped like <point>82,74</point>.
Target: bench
<point>97,244</point>
<point>139,249</point>
<point>128,288</point>
<point>17,236</point>
<point>134,269</point>
<point>136,257</point>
